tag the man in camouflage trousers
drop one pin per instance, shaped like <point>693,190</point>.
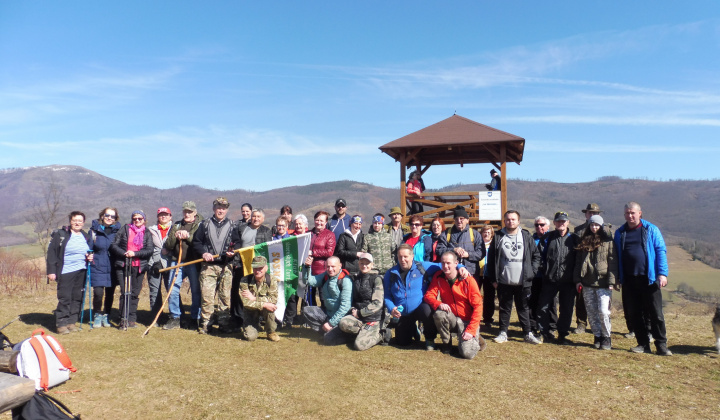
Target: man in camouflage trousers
<point>380,245</point>
<point>259,294</point>
<point>365,319</point>
<point>213,238</point>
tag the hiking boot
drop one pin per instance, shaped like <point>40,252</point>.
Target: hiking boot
<point>641,349</point>
<point>132,324</point>
<point>202,329</point>
<point>386,337</point>
<point>580,328</point>
<point>429,345</point>
<point>273,336</point>
<point>481,342</point>
<point>501,338</point>
<point>598,342</point>
<point>662,349</point>
<point>73,328</point>
<point>104,320</point>
<point>63,330</point>
<point>563,340</point>
<point>548,337</point>
<point>530,339</point>
<point>122,325</point>
<point>446,348</point>
<point>631,334</point>
<point>606,343</point>
<point>172,324</point>
<point>97,321</point>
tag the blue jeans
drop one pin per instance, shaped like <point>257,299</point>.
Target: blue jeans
<point>174,304</point>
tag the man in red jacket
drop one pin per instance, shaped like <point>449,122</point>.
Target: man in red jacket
<point>457,303</point>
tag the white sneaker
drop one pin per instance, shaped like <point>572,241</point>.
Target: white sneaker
<point>501,338</point>
<point>530,338</point>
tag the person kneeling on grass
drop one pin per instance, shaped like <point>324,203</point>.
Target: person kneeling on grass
<point>365,319</point>
<point>259,294</point>
<point>335,289</point>
<point>457,307</point>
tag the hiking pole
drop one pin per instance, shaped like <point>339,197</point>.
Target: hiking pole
<point>169,292</point>
<point>126,295</point>
<point>86,286</point>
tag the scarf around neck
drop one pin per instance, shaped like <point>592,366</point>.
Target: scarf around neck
<point>139,235</point>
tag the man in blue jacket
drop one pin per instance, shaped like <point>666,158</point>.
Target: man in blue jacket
<point>643,269</point>
<point>404,289</point>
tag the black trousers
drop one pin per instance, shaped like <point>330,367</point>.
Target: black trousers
<point>136,282</point>
<point>580,311</point>
<point>290,310</point>
<point>103,297</point>
<point>644,300</point>
<point>406,327</point>
<point>564,294</point>
<point>69,294</point>
<point>488,299</point>
<point>415,208</point>
<point>506,296</point>
<point>534,305</point>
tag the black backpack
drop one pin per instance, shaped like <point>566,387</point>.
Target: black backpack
<point>43,406</point>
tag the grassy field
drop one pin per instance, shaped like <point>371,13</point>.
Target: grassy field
<point>180,374</point>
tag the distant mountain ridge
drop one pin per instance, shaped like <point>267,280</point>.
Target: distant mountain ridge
<point>680,208</point>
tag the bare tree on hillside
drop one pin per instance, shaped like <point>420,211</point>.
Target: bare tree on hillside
<point>46,211</point>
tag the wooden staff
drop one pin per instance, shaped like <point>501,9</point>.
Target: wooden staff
<point>236,251</point>
<point>169,292</point>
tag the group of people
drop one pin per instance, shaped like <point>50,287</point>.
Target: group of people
<point>359,286</point>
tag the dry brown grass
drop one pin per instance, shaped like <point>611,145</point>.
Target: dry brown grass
<point>180,374</point>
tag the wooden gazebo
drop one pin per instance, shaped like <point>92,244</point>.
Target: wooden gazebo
<point>455,140</point>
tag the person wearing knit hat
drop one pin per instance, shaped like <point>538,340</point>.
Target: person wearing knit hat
<point>132,249</point>
<point>464,240</point>
<point>595,276</point>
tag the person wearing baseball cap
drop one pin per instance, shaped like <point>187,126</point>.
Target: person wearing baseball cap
<point>340,221</point>
<point>495,182</point>
<point>212,241</point>
<point>259,295</point>
<point>181,235</point>
<point>159,259</point>
<point>364,320</point>
<point>395,228</point>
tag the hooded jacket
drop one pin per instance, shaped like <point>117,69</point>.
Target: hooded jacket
<point>103,261</point>
<point>530,263</point>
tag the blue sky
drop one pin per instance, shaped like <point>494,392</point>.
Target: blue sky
<point>260,95</point>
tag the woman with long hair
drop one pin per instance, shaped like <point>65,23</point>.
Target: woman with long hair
<point>437,228</point>
<point>596,271</point>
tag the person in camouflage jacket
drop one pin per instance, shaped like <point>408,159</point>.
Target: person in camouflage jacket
<point>259,294</point>
<point>380,245</point>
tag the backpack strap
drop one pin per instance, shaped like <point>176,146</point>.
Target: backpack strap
<point>448,234</point>
<point>58,349</point>
<point>42,361</point>
<point>472,234</point>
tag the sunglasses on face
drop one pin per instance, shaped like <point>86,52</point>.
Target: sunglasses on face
<point>539,224</point>
<point>135,219</point>
<point>415,224</point>
<point>110,216</point>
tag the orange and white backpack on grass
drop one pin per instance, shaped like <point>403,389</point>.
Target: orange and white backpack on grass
<point>43,359</point>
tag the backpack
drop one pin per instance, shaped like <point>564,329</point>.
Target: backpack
<point>43,359</point>
<point>472,235</point>
<point>42,406</point>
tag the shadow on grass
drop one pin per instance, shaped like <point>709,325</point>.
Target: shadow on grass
<point>45,320</point>
<point>688,349</point>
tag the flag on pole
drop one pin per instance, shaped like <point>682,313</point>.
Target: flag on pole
<point>284,257</point>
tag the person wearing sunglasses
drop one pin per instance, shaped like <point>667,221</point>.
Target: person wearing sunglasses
<point>340,221</point>
<point>558,265</point>
<point>132,244</point>
<point>419,239</point>
<point>103,231</point>
<point>542,225</point>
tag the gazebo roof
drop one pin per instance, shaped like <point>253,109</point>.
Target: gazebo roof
<point>456,140</point>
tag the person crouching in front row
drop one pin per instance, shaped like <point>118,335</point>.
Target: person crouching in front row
<point>259,294</point>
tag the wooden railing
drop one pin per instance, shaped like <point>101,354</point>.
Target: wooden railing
<point>442,203</point>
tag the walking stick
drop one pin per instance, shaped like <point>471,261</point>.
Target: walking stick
<point>126,295</point>
<point>89,295</point>
<point>237,251</point>
<point>172,284</point>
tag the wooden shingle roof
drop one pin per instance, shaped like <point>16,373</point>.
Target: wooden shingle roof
<point>456,140</point>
